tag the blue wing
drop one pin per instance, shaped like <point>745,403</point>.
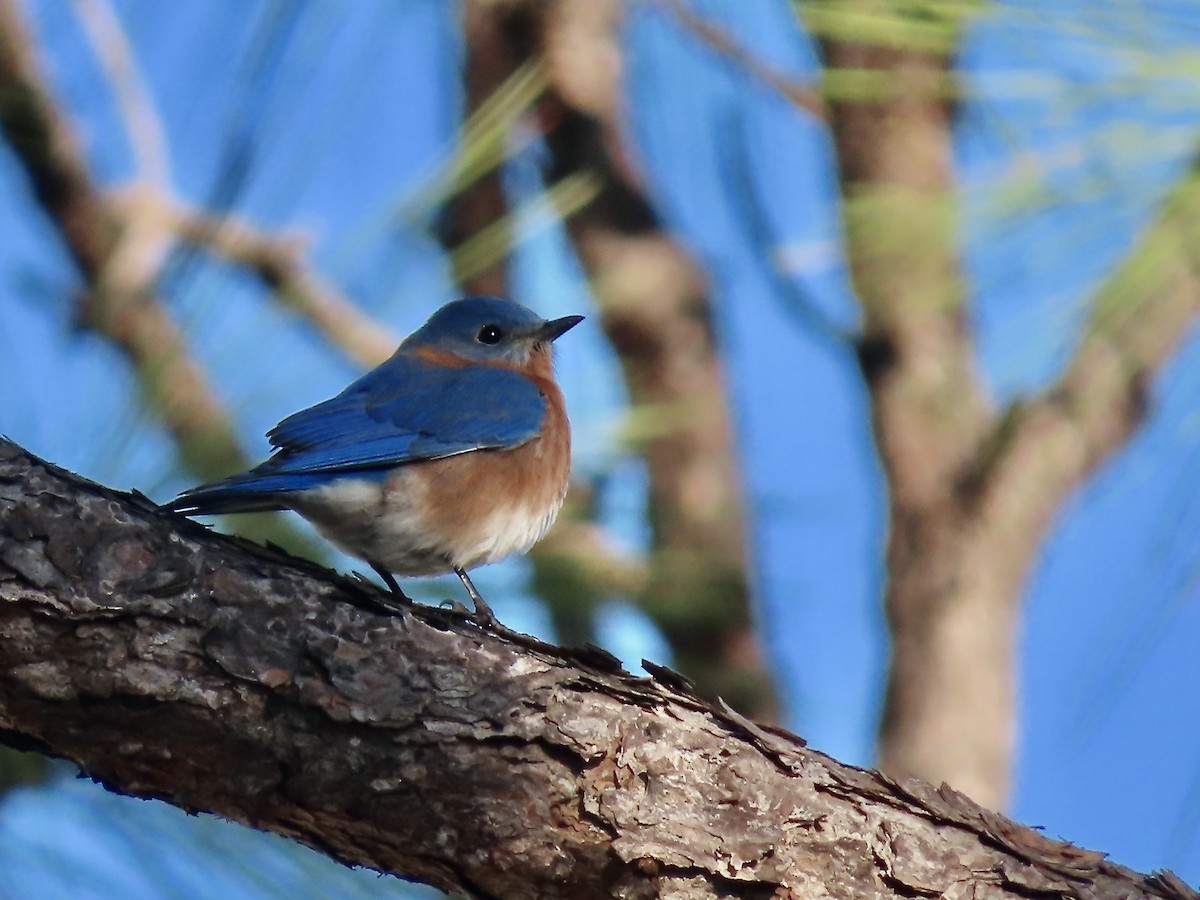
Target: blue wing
<point>403,411</point>
<point>408,410</point>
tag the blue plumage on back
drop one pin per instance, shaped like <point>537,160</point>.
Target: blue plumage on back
<point>408,409</point>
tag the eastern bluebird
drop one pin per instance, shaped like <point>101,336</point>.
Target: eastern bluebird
<point>453,453</point>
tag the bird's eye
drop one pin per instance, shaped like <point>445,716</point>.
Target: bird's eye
<point>489,334</point>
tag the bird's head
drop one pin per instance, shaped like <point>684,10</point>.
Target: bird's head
<point>488,330</point>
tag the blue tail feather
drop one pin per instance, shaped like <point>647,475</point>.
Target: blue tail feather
<point>243,493</point>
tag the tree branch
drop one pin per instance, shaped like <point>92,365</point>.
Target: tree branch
<point>46,145</point>
<point>142,124</point>
<point>1138,318</point>
<point>171,662</point>
<point>118,257</point>
<point>281,266</point>
<point>803,96</point>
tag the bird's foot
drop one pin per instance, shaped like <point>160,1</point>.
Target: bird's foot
<point>483,615</point>
<point>374,601</point>
<point>402,599</point>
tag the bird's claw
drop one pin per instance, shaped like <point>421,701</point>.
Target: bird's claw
<point>455,607</point>
<point>483,615</point>
<point>484,618</point>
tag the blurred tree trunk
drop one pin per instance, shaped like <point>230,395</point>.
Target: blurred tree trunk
<point>489,61</point>
<point>949,711</point>
<point>656,310</point>
<point>973,489</point>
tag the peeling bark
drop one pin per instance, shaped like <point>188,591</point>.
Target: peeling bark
<point>171,662</point>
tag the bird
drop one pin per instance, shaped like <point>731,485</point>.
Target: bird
<point>453,453</point>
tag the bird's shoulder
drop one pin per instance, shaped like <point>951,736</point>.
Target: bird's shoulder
<point>417,405</point>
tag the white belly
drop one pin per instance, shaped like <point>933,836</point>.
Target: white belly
<point>390,523</point>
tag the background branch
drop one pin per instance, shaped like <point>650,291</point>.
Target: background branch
<point>1138,317</point>
<point>973,489</point>
<point>117,256</point>
<point>801,95</point>
<point>281,265</point>
<point>142,123</point>
<point>656,308</point>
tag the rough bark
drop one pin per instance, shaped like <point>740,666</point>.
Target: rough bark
<point>171,662</point>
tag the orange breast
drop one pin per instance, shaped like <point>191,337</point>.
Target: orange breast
<point>488,504</point>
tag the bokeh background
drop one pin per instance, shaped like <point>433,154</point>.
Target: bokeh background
<point>267,194</point>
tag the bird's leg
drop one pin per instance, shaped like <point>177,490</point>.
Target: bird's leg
<point>483,613</point>
<point>390,580</point>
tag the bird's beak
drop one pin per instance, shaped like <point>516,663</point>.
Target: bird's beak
<point>556,328</point>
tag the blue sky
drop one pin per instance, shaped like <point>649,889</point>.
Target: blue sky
<point>1073,126</point>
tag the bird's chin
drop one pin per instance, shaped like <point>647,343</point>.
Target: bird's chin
<point>541,360</point>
